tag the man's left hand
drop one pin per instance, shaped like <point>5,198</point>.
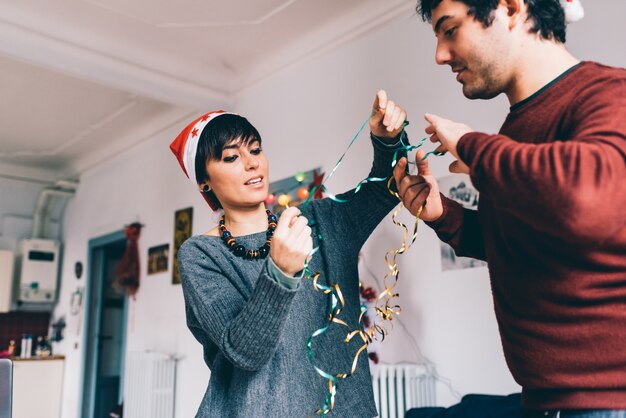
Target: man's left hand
<point>448,134</point>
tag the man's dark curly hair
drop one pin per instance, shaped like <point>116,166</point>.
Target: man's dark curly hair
<point>547,16</point>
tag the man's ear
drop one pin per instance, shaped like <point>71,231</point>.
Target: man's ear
<point>515,11</point>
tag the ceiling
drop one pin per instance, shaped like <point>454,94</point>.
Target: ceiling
<point>83,79</point>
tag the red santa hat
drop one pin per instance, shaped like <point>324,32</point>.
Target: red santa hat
<point>185,147</point>
<point>573,10</point>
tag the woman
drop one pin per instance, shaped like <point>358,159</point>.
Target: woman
<point>245,300</point>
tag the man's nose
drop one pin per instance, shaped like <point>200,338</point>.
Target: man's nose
<point>442,53</point>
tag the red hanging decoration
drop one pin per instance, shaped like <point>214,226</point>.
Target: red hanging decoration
<point>127,271</point>
<point>318,179</point>
<point>368,293</point>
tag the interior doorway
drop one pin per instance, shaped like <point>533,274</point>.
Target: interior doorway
<point>106,312</point>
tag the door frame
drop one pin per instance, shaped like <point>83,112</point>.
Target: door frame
<point>89,368</point>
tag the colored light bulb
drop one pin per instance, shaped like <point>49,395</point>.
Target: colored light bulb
<point>270,199</point>
<point>300,177</point>
<point>303,193</point>
<point>283,200</point>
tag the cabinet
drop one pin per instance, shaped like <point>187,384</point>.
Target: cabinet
<point>37,387</point>
<point>6,280</point>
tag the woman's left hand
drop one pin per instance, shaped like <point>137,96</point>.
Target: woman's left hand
<point>387,118</point>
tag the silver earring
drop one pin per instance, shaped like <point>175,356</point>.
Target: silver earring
<point>206,188</point>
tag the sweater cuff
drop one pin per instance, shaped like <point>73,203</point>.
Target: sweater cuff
<point>436,224</point>
<point>468,148</point>
<point>384,154</point>
<point>391,143</point>
<point>280,277</point>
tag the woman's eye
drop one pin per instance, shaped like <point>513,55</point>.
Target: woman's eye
<point>230,158</point>
<point>256,151</point>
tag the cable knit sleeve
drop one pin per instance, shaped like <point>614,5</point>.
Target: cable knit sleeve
<point>353,221</point>
<point>245,327</point>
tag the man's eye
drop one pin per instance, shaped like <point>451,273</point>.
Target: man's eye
<point>230,158</point>
<point>450,32</point>
<point>256,151</point>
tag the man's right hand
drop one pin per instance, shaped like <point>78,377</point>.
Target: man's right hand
<point>419,191</point>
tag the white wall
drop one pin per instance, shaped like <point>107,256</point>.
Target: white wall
<point>16,223</point>
<point>307,115</point>
<point>18,198</point>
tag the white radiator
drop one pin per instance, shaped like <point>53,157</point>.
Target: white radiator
<point>149,385</point>
<point>398,388</point>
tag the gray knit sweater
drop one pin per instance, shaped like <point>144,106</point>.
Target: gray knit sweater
<point>254,330</point>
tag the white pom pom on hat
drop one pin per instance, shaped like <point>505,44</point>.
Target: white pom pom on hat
<point>573,10</point>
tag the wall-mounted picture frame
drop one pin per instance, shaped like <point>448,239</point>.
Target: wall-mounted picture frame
<point>158,258</point>
<point>459,188</point>
<point>183,220</point>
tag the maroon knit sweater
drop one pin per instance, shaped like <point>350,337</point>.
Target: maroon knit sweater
<point>551,224</point>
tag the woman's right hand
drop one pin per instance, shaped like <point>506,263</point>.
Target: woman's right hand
<point>292,242</point>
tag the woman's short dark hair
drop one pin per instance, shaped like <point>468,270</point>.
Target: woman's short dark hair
<point>221,131</point>
<point>547,16</point>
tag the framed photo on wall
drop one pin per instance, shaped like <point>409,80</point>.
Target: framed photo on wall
<point>158,258</point>
<point>459,188</point>
<point>182,231</point>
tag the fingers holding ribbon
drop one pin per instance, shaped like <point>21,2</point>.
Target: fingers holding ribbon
<point>388,118</point>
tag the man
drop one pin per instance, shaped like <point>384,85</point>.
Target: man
<point>551,221</point>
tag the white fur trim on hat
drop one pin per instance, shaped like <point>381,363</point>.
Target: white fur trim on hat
<point>191,146</point>
<point>573,10</point>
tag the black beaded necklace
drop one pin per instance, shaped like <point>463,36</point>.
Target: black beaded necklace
<point>241,251</point>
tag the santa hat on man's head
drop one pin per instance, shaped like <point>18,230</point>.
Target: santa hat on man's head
<point>185,147</point>
<point>573,10</point>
